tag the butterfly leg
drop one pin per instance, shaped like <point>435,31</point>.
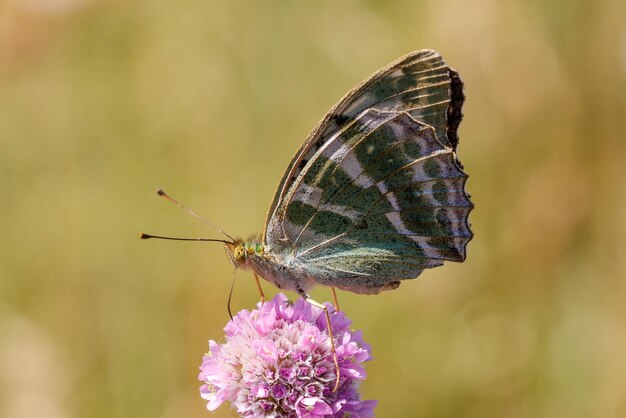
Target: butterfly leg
<point>335,299</point>
<point>258,285</point>
<point>307,298</point>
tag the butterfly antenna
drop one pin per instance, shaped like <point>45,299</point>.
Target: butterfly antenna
<point>162,193</point>
<point>148,236</point>
<point>230,294</point>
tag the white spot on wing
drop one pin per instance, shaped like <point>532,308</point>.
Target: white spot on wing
<point>352,167</point>
<point>382,187</point>
<point>428,250</point>
<point>397,73</point>
<point>396,221</point>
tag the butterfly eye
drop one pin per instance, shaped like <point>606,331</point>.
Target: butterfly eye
<point>240,254</point>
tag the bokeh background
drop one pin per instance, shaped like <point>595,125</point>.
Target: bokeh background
<point>101,102</point>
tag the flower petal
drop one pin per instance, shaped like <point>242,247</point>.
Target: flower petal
<point>266,349</point>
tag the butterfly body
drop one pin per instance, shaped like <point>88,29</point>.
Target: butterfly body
<point>376,193</point>
<point>290,272</point>
<point>282,270</point>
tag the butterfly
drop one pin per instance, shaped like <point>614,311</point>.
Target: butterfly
<point>376,194</point>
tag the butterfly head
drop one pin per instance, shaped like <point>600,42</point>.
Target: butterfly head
<point>240,251</point>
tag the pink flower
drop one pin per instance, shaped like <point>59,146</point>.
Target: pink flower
<point>277,362</point>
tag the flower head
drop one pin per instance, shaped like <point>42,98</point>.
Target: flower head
<point>277,362</point>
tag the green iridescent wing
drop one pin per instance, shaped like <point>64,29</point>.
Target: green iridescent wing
<point>376,194</point>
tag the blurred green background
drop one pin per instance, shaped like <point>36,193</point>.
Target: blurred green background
<point>101,102</point>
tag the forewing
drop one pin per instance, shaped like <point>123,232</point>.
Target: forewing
<point>419,83</point>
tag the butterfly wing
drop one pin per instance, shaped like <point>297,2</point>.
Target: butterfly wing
<point>376,193</point>
<point>419,83</point>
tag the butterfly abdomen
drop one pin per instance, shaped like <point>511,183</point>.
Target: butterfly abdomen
<point>283,271</point>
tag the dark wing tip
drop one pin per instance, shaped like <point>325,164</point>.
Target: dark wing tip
<point>454,114</point>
